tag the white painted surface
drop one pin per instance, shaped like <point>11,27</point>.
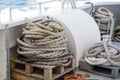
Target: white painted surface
<point>82,31</point>
<point>2,56</point>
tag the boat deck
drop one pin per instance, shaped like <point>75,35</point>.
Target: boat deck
<point>95,76</point>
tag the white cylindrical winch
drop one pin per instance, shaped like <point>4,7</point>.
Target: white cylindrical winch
<point>81,30</point>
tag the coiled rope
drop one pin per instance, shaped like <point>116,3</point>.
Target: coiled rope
<point>103,53</point>
<point>72,3</point>
<point>117,33</point>
<point>106,20</point>
<point>44,43</point>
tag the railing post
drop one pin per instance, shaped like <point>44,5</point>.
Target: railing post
<point>0,17</point>
<point>40,8</point>
<point>10,12</point>
<point>7,52</point>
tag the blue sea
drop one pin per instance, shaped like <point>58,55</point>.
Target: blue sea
<point>14,3</point>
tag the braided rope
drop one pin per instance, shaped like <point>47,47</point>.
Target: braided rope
<point>103,53</point>
<point>104,16</point>
<point>44,43</point>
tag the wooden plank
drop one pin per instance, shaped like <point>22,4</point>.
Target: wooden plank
<point>37,75</point>
<point>12,65</point>
<point>20,71</point>
<point>48,74</point>
<point>20,76</point>
<point>58,75</point>
<point>42,66</point>
<point>73,63</point>
<point>28,69</point>
<point>62,70</point>
<point>17,60</point>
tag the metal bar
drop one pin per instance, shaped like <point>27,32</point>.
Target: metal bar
<point>7,52</point>
<point>10,12</point>
<point>0,16</point>
<point>36,4</point>
<point>40,8</point>
<point>108,28</point>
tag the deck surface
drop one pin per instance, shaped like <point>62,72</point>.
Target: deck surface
<point>95,76</point>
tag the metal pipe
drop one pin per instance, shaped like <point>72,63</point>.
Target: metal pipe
<point>0,16</point>
<point>10,12</point>
<point>7,52</point>
<point>40,8</point>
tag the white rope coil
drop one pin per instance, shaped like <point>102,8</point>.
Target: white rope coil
<point>105,17</point>
<point>103,54</point>
<point>72,4</point>
<point>44,43</point>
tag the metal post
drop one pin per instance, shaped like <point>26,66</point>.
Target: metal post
<point>0,16</point>
<point>108,27</point>
<point>10,14</point>
<point>7,52</point>
<point>67,3</point>
<point>40,8</point>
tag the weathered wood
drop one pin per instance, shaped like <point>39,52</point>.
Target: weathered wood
<point>19,76</point>
<point>48,74</point>
<point>28,69</point>
<point>38,72</point>
<point>12,65</point>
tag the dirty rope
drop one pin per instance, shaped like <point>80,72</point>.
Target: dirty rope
<point>105,20</point>
<point>103,53</point>
<point>44,42</point>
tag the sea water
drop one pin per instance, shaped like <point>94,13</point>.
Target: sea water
<point>14,3</point>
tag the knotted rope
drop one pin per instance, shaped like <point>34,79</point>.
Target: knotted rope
<point>44,43</point>
<point>105,20</point>
<point>103,53</point>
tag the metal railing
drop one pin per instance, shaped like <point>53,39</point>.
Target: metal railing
<point>39,8</point>
<point>35,4</point>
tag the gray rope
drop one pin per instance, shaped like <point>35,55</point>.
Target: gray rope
<point>104,54</point>
<point>106,20</point>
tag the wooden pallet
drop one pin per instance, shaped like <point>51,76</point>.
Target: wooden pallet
<point>105,70</point>
<point>21,70</point>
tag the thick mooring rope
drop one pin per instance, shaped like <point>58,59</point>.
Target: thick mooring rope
<point>72,3</point>
<point>103,53</point>
<point>117,33</point>
<point>106,20</point>
<point>44,43</point>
